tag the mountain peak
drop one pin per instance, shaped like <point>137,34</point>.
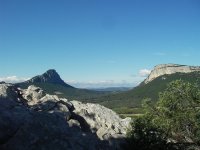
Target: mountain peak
<point>164,69</point>
<point>50,76</point>
<point>51,71</point>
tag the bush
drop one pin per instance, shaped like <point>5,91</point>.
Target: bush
<point>146,136</point>
<point>175,118</point>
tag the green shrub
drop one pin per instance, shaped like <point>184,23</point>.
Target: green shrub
<point>146,136</point>
<point>175,117</point>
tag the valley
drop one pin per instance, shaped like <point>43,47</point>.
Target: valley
<point>124,101</point>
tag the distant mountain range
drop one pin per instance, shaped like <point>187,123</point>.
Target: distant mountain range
<point>112,89</point>
<point>51,83</point>
<point>120,97</point>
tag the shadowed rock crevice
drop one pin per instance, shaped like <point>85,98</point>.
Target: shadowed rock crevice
<point>6,138</point>
<point>85,127</point>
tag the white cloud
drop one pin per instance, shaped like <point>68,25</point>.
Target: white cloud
<point>144,72</point>
<point>13,79</point>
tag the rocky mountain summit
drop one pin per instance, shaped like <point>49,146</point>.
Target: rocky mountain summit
<point>31,119</point>
<point>50,76</point>
<point>166,69</point>
<point>51,83</point>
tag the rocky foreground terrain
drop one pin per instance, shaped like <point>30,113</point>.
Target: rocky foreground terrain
<point>31,119</point>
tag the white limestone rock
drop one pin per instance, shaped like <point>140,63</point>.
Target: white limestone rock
<point>8,91</point>
<point>164,69</point>
<point>105,122</point>
<point>30,116</point>
<point>38,100</point>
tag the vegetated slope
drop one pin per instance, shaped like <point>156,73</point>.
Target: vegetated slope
<point>51,83</point>
<point>123,102</point>
<point>112,89</point>
<point>67,92</point>
<point>50,76</point>
<point>134,97</point>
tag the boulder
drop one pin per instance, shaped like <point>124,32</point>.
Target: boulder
<point>105,122</point>
<point>8,91</point>
<point>12,116</point>
<point>38,100</point>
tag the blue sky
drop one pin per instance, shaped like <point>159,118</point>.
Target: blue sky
<point>96,42</point>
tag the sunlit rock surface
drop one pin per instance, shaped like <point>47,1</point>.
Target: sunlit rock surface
<point>164,69</point>
<point>31,119</point>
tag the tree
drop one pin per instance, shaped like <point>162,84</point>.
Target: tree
<point>146,136</point>
<point>174,118</point>
<point>177,111</point>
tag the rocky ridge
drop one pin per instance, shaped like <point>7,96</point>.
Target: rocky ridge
<point>163,69</point>
<point>32,119</point>
<point>50,76</point>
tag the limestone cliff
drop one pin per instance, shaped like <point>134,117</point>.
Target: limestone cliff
<point>163,69</point>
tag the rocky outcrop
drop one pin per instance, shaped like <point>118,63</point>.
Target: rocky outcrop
<point>8,91</point>
<point>163,69</point>
<point>101,118</point>
<point>32,119</point>
<point>102,121</point>
<point>50,76</point>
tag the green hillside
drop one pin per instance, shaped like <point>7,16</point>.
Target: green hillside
<point>128,102</point>
<point>68,92</point>
<point>51,83</point>
<point>131,100</point>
